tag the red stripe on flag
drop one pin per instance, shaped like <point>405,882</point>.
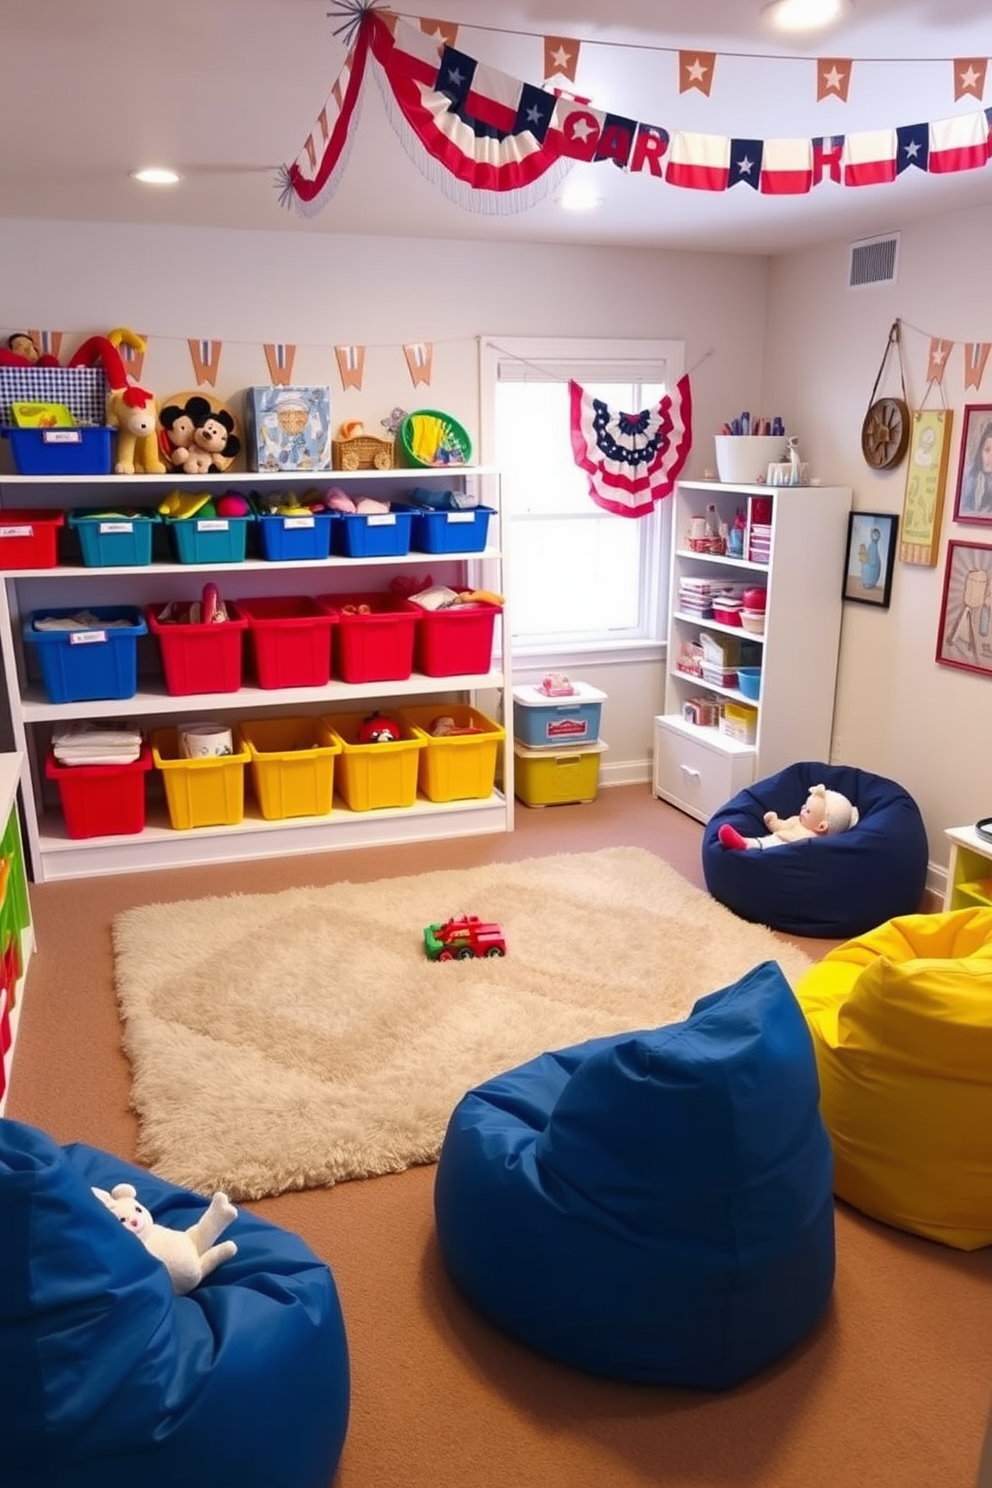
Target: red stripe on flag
<point>697,177</point>
<point>958,144</point>
<point>489,111</point>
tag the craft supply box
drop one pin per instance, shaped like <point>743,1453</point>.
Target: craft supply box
<point>559,778</point>
<point>555,722</point>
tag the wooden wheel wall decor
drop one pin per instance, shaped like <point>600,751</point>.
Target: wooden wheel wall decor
<point>886,426</point>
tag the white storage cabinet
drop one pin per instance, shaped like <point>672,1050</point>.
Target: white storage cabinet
<point>52,854</point>
<point>696,767</point>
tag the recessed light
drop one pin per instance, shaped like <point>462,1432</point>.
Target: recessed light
<point>804,15</point>
<point>155,175</point>
<point>578,196</point>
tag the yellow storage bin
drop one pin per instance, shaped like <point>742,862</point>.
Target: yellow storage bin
<point>207,792</point>
<point>373,777</point>
<point>544,778</point>
<point>291,765</point>
<point>458,766</point>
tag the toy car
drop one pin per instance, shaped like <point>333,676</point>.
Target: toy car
<point>462,938</point>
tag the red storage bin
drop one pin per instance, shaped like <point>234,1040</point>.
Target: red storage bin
<point>457,641</point>
<point>373,636</point>
<point>200,658</point>
<point>102,800</point>
<point>29,538</point>
<point>290,639</point>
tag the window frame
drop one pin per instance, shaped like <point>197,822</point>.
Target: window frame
<point>591,359</point>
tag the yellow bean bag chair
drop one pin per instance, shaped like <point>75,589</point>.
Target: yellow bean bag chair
<point>901,1020</point>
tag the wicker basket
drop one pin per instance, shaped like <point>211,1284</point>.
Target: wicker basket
<point>363,452</point>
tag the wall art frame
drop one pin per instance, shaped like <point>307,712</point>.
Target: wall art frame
<point>973,493</point>
<point>870,558</point>
<point>926,479</point>
<point>964,637</point>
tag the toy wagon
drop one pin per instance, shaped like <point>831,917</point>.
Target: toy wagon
<point>362,452</point>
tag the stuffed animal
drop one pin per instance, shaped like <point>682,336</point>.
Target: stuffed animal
<point>198,439</point>
<point>187,1255</point>
<point>825,813</point>
<point>131,410</point>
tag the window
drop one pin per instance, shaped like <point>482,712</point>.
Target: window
<point>582,579</point>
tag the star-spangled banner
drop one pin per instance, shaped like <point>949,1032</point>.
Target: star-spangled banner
<point>495,144</point>
<point>632,459</point>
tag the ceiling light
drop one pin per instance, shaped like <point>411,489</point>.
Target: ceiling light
<point>804,15</point>
<point>156,175</point>
<point>578,196</point>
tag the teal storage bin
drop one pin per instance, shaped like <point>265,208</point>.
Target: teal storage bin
<point>208,540</point>
<point>109,539</point>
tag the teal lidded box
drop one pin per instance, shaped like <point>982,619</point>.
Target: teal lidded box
<point>289,428</point>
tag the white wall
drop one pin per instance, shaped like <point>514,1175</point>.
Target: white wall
<point>318,291</point>
<point>897,711</point>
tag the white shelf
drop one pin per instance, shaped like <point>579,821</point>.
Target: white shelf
<point>697,767</point>
<point>53,855</point>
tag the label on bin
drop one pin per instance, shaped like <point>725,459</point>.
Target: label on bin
<point>288,522</point>
<point>61,436</point>
<point>213,524</point>
<point>116,527</point>
<point>381,519</point>
<point>86,637</point>
<point>16,532</point>
<point>459,516</point>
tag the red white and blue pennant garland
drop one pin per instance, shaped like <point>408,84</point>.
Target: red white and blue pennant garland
<point>495,144</point>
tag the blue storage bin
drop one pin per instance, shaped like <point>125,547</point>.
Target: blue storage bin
<point>209,539</point>
<point>555,722</point>
<point>109,539</point>
<point>372,534</point>
<point>82,666</point>
<point>306,535</point>
<point>462,531</point>
<point>83,451</point>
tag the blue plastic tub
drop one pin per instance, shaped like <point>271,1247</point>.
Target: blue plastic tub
<point>109,539</point>
<point>372,534</point>
<point>285,538</point>
<point>85,451</point>
<point>451,531</point>
<point>82,666</point>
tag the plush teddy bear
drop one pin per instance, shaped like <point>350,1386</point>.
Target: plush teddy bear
<point>188,1255</point>
<point>825,813</point>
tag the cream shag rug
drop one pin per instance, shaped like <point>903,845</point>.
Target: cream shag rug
<point>296,1039</point>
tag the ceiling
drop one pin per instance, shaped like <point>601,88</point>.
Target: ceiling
<point>228,90</point>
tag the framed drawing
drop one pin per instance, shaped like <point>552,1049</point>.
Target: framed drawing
<point>923,504</point>
<point>973,498</point>
<point>871,551</point>
<point>965,635</point>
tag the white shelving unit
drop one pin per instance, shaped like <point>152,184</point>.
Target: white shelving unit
<point>52,854</point>
<point>11,766</point>
<point>698,768</point>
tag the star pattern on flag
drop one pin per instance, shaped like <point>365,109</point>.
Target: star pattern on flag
<point>969,77</point>
<point>696,71</point>
<point>833,78</point>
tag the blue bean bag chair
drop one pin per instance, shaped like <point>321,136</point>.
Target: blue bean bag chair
<point>826,886</point>
<point>654,1206</point>
<point>110,1378</point>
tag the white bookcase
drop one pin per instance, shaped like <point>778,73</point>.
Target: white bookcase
<point>696,767</point>
<point>52,854</point>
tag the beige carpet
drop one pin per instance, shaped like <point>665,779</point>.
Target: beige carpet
<point>296,1039</point>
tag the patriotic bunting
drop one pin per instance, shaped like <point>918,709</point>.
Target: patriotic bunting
<point>279,358</point>
<point>205,356</point>
<point>495,144</point>
<point>632,459</point>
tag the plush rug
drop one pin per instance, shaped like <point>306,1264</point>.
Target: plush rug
<point>297,1039</point>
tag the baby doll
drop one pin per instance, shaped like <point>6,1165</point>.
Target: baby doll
<point>825,813</point>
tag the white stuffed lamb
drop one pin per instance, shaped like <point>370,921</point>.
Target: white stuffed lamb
<point>188,1255</point>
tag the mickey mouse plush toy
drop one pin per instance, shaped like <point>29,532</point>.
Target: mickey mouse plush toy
<point>196,439</point>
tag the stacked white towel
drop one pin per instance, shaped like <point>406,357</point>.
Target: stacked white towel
<point>113,741</point>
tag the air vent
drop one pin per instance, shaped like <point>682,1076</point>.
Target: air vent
<point>873,261</point>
